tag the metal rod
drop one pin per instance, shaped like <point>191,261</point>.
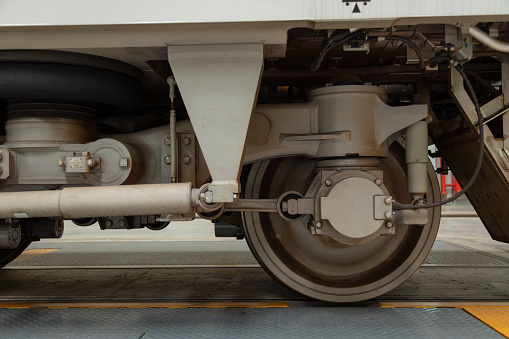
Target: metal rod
<point>252,205</point>
<point>173,131</point>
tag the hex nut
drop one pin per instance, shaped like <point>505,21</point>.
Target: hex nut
<point>121,223</point>
<point>167,141</point>
<point>186,141</point>
<point>388,224</point>
<point>318,224</point>
<point>388,214</point>
<point>388,200</point>
<point>328,182</point>
<point>378,182</point>
<point>167,160</point>
<point>186,159</point>
<point>91,162</point>
<point>61,163</point>
<point>108,223</point>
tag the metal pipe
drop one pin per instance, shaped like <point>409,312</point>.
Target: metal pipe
<point>485,39</point>
<point>103,201</point>
<point>173,145</point>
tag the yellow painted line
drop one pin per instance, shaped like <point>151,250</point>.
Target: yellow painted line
<point>34,252</point>
<point>496,317</point>
<point>149,305</point>
<point>449,304</point>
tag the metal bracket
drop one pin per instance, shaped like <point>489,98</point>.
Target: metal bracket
<point>207,74</point>
<point>5,164</point>
<point>411,217</point>
<point>77,162</point>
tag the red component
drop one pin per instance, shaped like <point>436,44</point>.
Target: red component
<point>454,184</point>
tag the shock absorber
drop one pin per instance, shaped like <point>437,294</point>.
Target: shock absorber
<point>417,160</point>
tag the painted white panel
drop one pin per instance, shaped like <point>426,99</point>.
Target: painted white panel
<point>111,12</point>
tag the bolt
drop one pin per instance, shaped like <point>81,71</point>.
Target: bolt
<point>61,163</point>
<point>186,160</point>
<point>328,182</point>
<point>186,141</point>
<point>378,182</point>
<point>167,160</point>
<point>91,162</point>
<point>121,223</point>
<point>167,141</point>
<point>318,224</point>
<point>388,214</point>
<point>388,200</point>
<point>124,162</point>
<point>388,224</point>
<point>108,223</point>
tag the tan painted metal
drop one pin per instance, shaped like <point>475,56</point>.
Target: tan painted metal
<point>84,202</point>
<point>206,75</point>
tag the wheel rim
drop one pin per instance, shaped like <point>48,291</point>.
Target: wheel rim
<point>319,267</point>
<point>6,256</point>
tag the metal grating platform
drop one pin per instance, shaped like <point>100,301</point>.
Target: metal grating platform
<point>295,323</point>
<point>159,253</point>
<point>220,253</point>
<point>445,254</point>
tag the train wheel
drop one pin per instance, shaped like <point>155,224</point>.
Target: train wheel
<point>320,267</point>
<point>6,256</point>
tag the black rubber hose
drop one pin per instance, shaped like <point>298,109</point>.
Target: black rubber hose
<point>471,91</point>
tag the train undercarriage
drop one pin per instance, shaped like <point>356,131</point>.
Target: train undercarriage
<point>311,143</point>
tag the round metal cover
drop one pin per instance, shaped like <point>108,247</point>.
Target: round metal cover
<point>349,207</point>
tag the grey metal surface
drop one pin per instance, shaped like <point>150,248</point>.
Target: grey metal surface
<point>295,323</point>
<point>158,253</point>
<point>228,283</point>
<point>141,284</point>
<point>445,254</point>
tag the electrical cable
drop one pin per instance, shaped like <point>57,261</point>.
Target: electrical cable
<point>471,91</point>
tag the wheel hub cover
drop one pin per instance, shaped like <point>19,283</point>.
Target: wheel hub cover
<point>349,207</point>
